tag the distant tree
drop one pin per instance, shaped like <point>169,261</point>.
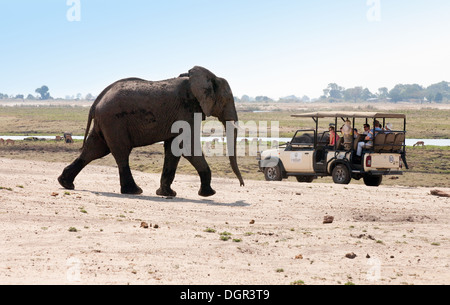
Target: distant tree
<point>383,93</point>
<point>333,91</point>
<point>407,92</point>
<point>31,97</point>
<point>290,99</point>
<point>43,91</point>
<point>443,88</point>
<point>19,97</point>
<point>263,99</point>
<point>353,94</point>
<point>245,99</point>
<point>89,97</point>
<point>3,96</point>
<point>366,94</point>
<point>439,98</point>
<point>306,99</point>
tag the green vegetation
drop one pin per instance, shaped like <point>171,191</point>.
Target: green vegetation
<point>225,236</point>
<point>209,230</point>
<point>439,93</point>
<point>298,283</point>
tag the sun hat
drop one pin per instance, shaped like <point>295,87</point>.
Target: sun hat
<point>389,126</point>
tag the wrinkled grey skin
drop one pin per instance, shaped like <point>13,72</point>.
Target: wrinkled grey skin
<point>134,113</point>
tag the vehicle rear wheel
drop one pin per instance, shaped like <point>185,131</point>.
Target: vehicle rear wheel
<point>372,180</point>
<point>341,174</point>
<point>273,173</point>
<point>305,179</point>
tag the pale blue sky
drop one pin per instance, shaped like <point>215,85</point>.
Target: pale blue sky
<point>273,48</point>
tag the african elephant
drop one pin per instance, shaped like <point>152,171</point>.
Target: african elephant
<point>133,113</point>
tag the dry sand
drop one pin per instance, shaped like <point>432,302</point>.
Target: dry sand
<point>404,231</point>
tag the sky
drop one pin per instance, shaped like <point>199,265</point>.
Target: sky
<point>272,48</point>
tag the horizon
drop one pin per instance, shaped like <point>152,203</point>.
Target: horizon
<point>263,48</point>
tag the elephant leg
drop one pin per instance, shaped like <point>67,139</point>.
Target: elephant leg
<point>204,172</point>
<point>127,183</point>
<point>95,148</point>
<point>169,170</point>
<point>121,151</point>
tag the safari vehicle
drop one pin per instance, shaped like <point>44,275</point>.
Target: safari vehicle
<point>309,155</point>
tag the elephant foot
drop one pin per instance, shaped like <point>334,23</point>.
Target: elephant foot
<point>68,185</point>
<point>166,192</point>
<point>131,190</point>
<point>206,192</point>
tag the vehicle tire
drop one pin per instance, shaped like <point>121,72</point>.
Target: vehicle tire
<point>341,174</point>
<point>273,173</point>
<point>305,179</point>
<point>370,180</point>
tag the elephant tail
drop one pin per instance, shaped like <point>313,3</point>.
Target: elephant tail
<point>92,113</point>
<point>91,117</point>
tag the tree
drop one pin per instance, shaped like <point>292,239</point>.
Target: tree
<point>245,99</point>
<point>406,92</point>
<point>366,94</point>
<point>353,94</point>
<point>335,91</point>
<point>43,91</point>
<point>30,97</point>
<point>263,99</point>
<point>438,98</point>
<point>383,93</point>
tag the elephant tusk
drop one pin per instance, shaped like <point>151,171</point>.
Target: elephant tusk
<point>236,125</point>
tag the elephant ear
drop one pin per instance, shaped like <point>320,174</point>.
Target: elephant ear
<point>203,86</point>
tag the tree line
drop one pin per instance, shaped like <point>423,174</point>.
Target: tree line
<point>439,93</point>
<point>43,94</point>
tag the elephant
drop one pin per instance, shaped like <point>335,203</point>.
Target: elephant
<point>133,113</point>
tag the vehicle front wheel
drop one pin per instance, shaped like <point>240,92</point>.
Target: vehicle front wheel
<point>341,174</point>
<point>372,180</point>
<point>273,173</point>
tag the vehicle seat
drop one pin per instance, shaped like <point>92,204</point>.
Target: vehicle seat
<point>390,139</point>
<point>359,139</point>
<point>379,142</point>
<point>399,141</point>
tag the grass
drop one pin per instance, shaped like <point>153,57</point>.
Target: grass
<point>43,120</point>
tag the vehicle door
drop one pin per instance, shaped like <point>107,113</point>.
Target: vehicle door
<point>298,156</point>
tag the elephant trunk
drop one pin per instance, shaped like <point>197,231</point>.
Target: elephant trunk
<point>232,134</point>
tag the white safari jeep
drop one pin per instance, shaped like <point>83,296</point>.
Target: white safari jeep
<point>309,155</point>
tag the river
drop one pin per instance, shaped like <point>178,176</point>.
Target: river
<point>409,142</point>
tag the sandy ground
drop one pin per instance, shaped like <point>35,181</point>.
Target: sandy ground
<point>277,232</point>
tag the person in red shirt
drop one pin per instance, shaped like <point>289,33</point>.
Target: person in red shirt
<point>333,137</point>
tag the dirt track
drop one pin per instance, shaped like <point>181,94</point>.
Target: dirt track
<point>404,231</point>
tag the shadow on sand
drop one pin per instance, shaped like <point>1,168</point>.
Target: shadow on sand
<point>211,202</point>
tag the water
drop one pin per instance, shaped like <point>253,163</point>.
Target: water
<point>409,142</point>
